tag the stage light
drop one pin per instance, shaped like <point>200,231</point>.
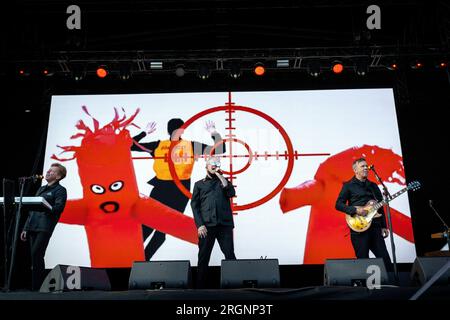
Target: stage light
<point>125,71</point>
<point>259,69</point>
<point>48,72</point>
<point>392,66</point>
<point>180,71</point>
<point>282,63</point>
<point>23,72</point>
<point>417,65</point>
<point>78,71</point>
<point>337,67</point>
<point>235,70</point>
<point>362,68</point>
<point>124,75</point>
<point>203,72</point>
<point>313,68</point>
<point>158,65</point>
<point>102,71</point>
<point>79,76</point>
<point>442,64</point>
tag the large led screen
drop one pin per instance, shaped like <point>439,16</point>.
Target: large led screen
<point>286,152</point>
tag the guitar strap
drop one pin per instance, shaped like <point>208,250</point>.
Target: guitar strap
<point>368,187</point>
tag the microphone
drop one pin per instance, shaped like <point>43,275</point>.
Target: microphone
<point>371,167</point>
<point>34,177</point>
<point>37,177</point>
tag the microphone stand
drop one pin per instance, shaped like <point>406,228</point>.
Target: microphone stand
<point>387,196</point>
<point>7,192</point>
<point>446,233</point>
<point>16,232</point>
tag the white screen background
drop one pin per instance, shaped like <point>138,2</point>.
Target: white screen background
<point>316,121</point>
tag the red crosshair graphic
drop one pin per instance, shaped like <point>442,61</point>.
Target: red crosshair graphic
<point>290,155</point>
<point>231,108</point>
<point>232,172</point>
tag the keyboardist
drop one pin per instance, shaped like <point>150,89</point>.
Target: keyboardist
<point>40,225</point>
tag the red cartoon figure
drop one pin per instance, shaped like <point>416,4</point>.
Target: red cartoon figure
<point>328,234</point>
<point>112,210</point>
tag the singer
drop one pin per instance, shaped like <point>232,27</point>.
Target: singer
<point>40,225</point>
<point>353,197</point>
<point>213,216</point>
<point>165,189</point>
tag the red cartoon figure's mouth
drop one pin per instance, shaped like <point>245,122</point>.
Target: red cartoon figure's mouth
<point>109,207</point>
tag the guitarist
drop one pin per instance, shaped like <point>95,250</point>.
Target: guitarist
<point>352,199</point>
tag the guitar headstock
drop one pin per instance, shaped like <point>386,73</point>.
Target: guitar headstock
<point>414,185</point>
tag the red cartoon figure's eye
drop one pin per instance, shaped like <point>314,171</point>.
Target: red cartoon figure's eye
<point>116,186</point>
<point>98,189</point>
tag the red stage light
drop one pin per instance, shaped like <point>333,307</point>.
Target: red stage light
<point>416,65</point>
<point>23,72</point>
<point>338,67</point>
<point>260,70</point>
<point>102,72</point>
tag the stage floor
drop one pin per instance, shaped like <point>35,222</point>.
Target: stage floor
<point>278,294</point>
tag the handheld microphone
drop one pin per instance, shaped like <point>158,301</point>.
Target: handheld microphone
<point>371,167</point>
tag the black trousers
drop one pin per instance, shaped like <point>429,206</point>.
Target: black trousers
<point>224,235</point>
<point>167,193</point>
<point>372,240</point>
<point>38,244</point>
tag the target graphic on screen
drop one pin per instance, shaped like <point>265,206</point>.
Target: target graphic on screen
<point>231,111</point>
<point>286,153</point>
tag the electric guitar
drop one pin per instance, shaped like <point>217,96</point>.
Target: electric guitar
<point>362,223</point>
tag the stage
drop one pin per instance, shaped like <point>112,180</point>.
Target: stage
<point>300,94</point>
<point>387,292</point>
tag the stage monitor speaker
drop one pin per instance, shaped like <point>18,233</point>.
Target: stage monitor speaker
<point>424,269</point>
<point>160,275</point>
<point>353,272</point>
<point>67,278</point>
<point>250,273</point>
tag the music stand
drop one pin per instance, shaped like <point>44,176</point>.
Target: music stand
<point>34,204</point>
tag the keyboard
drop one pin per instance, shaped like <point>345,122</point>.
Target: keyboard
<point>31,203</point>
